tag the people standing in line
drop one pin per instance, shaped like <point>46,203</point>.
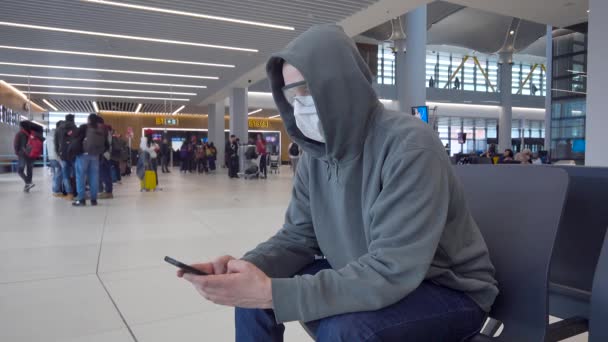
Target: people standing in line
<point>294,156</point>
<point>105,167</point>
<point>28,145</point>
<point>165,155</point>
<point>93,139</point>
<point>260,146</point>
<point>212,156</point>
<point>67,133</point>
<point>119,153</point>
<point>233,153</point>
<point>52,154</point>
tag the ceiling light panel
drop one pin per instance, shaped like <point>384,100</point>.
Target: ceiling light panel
<point>170,85</point>
<point>101,89</point>
<point>190,14</point>
<point>50,105</point>
<point>103,95</point>
<point>108,70</point>
<point>103,55</point>
<point>123,36</point>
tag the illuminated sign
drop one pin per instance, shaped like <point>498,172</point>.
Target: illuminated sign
<point>259,123</point>
<point>160,121</point>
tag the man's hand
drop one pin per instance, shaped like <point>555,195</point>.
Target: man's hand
<point>245,286</point>
<point>217,266</point>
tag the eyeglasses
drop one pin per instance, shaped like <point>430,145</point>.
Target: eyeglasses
<point>292,91</point>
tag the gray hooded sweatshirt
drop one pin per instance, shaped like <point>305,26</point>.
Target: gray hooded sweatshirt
<point>379,199</point>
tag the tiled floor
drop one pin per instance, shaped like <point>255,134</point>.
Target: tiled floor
<point>97,274</point>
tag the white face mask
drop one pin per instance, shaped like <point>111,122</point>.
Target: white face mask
<point>307,118</point>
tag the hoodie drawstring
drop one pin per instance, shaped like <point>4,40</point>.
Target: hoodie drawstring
<point>333,167</point>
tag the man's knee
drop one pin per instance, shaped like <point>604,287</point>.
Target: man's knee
<point>343,328</point>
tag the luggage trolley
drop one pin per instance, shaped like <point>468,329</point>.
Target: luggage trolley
<point>275,163</point>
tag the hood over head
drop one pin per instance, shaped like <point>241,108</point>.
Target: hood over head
<point>339,81</point>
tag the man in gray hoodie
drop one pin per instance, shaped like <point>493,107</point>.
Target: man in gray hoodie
<point>375,195</point>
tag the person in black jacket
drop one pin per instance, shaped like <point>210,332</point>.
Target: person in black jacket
<point>64,136</point>
<point>165,155</point>
<point>94,138</point>
<point>25,164</point>
<point>233,157</point>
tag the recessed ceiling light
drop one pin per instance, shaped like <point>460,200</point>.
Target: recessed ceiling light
<point>108,70</point>
<point>99,95</point>
<point>123,36</point>
<point>255,111</point>
<point>138,108</point>
<point>95,107</point>
<point>80,53</point>
<point>511,32</point>
<point>190,14</point>
<point>105,81</point>
<point>179,109</point>
<point>102,89</point>
<point>50,105</point>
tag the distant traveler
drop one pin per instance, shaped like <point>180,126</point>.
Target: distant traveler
<point>148,153</point>
<point>457,83</point>
<point>375,195</point>
<point>211,156</point>
<point>260,146</point>
<point>28,145</point>
<point>52,155</point>
<point>165,155</point>
<point>93,138</point>
<point>294,156</point>
<point>67,133</point>
<point>105,167</point>
<point>507,156</point>
<point>184,156</point>
<point>233,157</point>
<point>431,82</point>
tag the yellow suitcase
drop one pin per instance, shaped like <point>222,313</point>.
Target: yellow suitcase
<point>149,180</point>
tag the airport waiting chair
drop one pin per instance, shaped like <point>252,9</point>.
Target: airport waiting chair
<point>518,210</point>
<point>579,242</point>
<point>598,330</point>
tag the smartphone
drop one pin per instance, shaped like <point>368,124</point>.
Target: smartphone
<point>184,267</point>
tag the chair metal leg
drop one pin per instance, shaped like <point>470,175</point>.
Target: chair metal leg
<point>491,327</point>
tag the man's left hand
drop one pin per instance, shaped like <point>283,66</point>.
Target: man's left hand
<point>245,286</point>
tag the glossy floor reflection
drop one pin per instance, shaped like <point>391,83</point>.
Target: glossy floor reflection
<point>97,273</point>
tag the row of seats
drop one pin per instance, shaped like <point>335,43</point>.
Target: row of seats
<point>545,234</point>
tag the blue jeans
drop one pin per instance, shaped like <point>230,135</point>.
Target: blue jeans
<point>105,174</point>
<point>67,168</point>
<point>57,175</point>
<point>87,167</point>
<point>429,313</point>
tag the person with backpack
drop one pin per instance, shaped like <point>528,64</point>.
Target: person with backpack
<point>93,138</point>
<point>54,162</point>
<point>65,134</point>
<point>28,147</point>
<point>294,156</point>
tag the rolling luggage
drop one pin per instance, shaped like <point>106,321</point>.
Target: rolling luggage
<point>149,181</point>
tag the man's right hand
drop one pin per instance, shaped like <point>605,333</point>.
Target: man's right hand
<point>217,266</point>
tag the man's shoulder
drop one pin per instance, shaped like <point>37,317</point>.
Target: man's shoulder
<point>403,129</point>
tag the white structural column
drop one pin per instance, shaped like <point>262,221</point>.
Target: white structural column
<point>548,86</point>
<point>216,127</point>
<point>506,102</point>
<point>412,73</point>
<point>238,114</point>
<point>596,153</point>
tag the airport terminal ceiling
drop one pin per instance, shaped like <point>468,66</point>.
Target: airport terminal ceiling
<point>72,56</point>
